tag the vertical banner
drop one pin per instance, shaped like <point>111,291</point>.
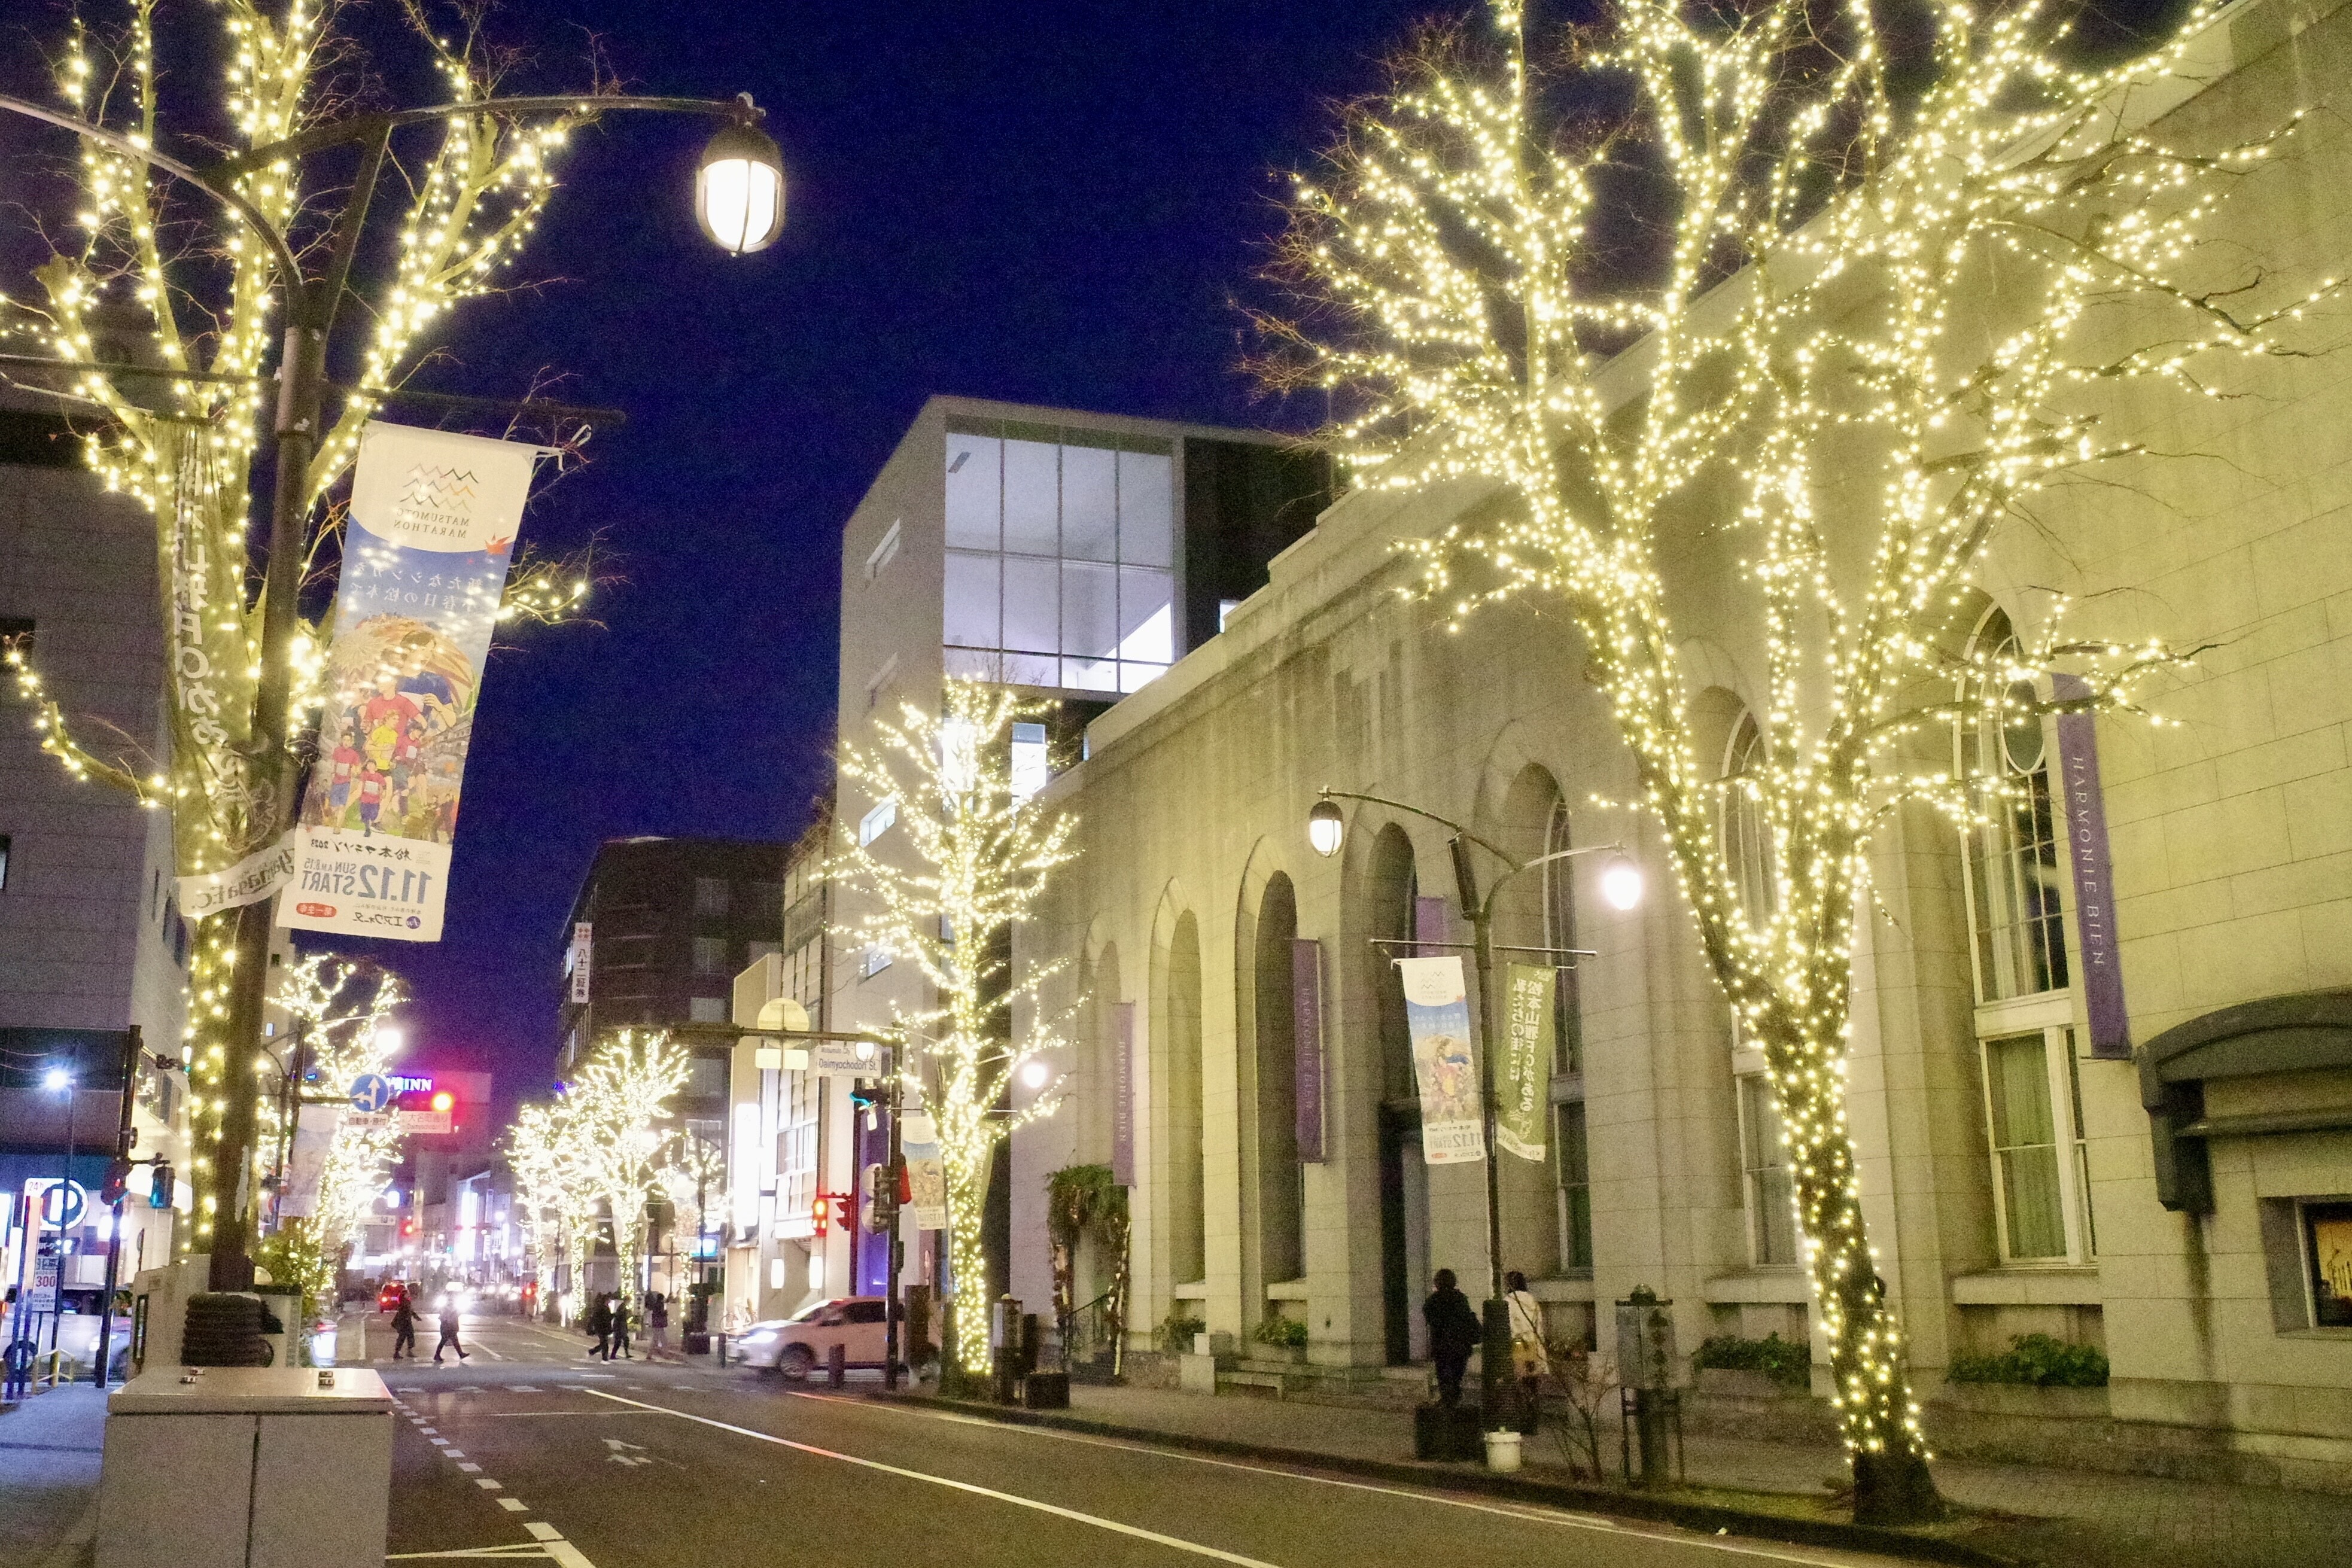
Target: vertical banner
<point>1429,921</point>
<point>1307,1038</point>
<point>306,1161</point>
<point>1122,1103</point>
<point>1444,1066</point>
<point>2085,809</point>
<point>927,1179</point>
<point>425,552</point>
<point>1523,1076</point>
<point>584,952</point>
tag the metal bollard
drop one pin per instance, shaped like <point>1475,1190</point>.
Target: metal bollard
<point>836,1364</point>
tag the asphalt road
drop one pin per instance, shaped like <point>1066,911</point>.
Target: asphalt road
<point>531,1450</point>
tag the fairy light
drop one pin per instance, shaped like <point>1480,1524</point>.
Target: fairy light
<point>187,454</point>
<point>1473,330</point>
<point>978,857</point>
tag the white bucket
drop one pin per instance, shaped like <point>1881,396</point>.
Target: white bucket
<point>1503,1452</point>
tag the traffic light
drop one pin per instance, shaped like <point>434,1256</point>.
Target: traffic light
<point>117,1182</point>
<point>821,1215</point>
<point>159,1186</point>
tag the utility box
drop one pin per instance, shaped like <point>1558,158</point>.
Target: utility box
<point>246,1467</point>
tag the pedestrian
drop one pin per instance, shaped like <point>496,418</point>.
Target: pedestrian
<point>600,1324</point>
<point>657,1323</point>
<point>449,1328</point>
<point>1530,1357</point>
<point>1453,1333</point>
<point>403,1327</point>
<point>620,1329</point>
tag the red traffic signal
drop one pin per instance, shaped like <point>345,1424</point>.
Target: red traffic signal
<point>117,1183</point>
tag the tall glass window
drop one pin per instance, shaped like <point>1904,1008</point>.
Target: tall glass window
<point>1747,832</point>
<point>1764,1162</point>
<point>2025,1147</point>
<point>1060,558</point>
<point>1575,1186</point>
<point>2015,908</point>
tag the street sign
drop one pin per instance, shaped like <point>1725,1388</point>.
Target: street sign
<point>371,1093</point>
<point>62,1204</point>
<point>845,1058</point>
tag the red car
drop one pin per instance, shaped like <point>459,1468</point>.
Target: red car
<point>388,1298</point>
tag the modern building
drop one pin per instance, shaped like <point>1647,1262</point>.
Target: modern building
<point>794,1141</point>
<point>2187,1210</point>
<point>1075,556</point>
<point>92,942</point>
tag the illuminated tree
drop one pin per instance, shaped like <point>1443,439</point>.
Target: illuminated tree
<point>196,290</point>
<point>1813,276</point>
<point>977,856</point>
<point>695,1183</point>
<point>618,1145</point>
<point>340,1011</point>
<point>557,1204</point>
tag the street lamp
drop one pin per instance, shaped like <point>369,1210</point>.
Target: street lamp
<point>738,200</point>
<point>738,188</point>
<point>1621,886</point>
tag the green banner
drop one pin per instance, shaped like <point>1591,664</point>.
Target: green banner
<point>1523,1073</point>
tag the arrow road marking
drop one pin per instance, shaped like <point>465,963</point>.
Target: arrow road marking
<point>616,1445</point>
<point>1113,1525</point>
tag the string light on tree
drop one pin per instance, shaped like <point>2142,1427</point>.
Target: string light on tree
<point>976,858</point>
<point>1823,277</point>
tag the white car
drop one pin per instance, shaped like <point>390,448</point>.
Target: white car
<point>802,1343</point>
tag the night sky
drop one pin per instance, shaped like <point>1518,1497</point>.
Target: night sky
<point>1055,203</point>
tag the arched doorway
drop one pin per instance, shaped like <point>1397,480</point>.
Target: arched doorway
<point>1392,887</point>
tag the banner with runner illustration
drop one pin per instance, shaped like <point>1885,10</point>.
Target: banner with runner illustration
<point>1445,1062</point>
<point>927,1179</point>
<point>431,533</point>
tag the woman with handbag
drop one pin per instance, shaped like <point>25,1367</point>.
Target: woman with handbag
<point>1529,1357</point>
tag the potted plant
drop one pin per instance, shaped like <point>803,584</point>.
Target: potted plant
<point>1285,1338</point>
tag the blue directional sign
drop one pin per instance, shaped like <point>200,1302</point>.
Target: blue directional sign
<point>371,1093</point>
<point>62,1204</point>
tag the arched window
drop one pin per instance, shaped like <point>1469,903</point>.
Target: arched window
<point>2015,905</point>
<point>1281,1178</point>
<point>1747,832</point>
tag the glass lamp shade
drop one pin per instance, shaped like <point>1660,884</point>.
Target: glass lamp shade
<point>738,190</point>
<point>1326,829</point>
<point>1621,883</point>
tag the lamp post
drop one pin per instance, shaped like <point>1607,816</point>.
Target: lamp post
<point>739,201</point>
<point>1621,886</point>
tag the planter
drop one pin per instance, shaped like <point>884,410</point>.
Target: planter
<point>2025,1399</point>
<point>1503,1452</point>
<point>1724,1382</point>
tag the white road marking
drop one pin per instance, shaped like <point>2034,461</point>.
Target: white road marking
<point>488,1485</point>
<point>522,1388</point>
<point>544,1545</point>
<point>1113,1525</point>
<point>453,1453</point>
<point>513,1504</point>
<point>1529,1513</point>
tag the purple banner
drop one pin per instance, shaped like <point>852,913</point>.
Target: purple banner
<point>2085,813</point>
<point>1123,1101</point>
<point>1307,1032</point>
<point>1429,923</point>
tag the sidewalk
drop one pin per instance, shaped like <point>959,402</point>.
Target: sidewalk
<point>2028,1514</point>
<point>48,1478</point>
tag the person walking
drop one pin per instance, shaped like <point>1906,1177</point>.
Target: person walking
<point>1530,1357</point>
<point>404,1326</point>
<point>620,1329</point>
<point>1453,1333</point>
<point>449,1330</point>
<point>600,1324</point>
<point>658,1325</point>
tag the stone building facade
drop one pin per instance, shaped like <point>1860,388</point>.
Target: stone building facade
<point>2187,1210</point>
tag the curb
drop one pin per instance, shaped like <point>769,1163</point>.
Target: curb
<point>1704,1517</point>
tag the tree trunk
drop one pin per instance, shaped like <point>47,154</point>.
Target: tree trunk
<point>1871,1379</point>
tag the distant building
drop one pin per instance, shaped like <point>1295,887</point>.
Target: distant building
<point>1075,556</point>
<point>90,937</point>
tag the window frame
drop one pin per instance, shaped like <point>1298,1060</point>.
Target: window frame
<point>2062,1078</point>
<point>1747,1068</point>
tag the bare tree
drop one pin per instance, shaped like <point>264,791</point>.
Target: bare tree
<point>1814,272</point>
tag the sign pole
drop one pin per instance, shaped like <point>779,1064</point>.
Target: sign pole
<point>893,1176</point>
<point>114,1232</point>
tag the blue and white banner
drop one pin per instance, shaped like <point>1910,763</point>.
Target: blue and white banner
<point>1445,1062</point>
<point>425,551</point>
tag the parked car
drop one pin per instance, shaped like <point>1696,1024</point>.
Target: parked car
<point>800,1344</point>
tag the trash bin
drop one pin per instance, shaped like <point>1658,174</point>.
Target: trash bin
<point>246,1467</point>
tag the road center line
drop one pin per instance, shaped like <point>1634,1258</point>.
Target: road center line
<point>1531,1513</point>
<point>1113,1525</point>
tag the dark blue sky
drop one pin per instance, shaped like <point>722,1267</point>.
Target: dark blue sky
<point>1052,202</point>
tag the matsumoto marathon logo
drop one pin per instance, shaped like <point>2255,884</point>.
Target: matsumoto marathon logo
<point>437,500</point>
